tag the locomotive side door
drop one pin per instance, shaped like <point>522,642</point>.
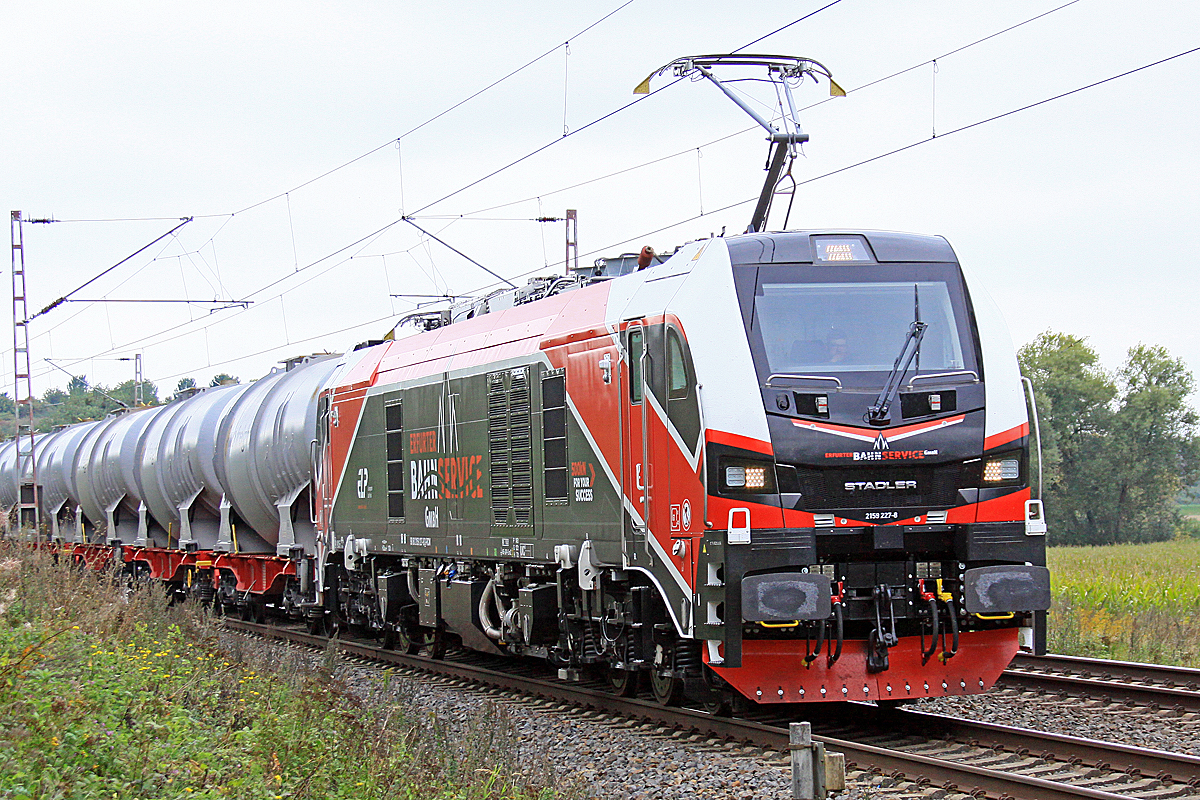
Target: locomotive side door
<point>652,535</point>
<point>635,447</point>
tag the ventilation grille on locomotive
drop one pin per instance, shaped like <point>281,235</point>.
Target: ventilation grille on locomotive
<point>510,447</point>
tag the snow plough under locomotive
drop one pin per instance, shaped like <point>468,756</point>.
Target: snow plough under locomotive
<point>790,467</point>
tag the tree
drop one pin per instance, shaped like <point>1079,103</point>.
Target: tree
<point>1155,447</point>
<point>222,378</point>
<point>1117,449</point>
<point>78,385</point>
<point>185,384</point>
<point>1073,395</point>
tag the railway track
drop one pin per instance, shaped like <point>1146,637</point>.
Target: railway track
<point>971,757</point>
<point>1117,681</point>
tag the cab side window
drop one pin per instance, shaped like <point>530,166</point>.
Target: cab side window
<point>678,384</point>
<point>636,345</point>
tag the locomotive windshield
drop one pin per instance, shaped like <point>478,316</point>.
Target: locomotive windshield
<point>851,321</point>
<point>855,327</point>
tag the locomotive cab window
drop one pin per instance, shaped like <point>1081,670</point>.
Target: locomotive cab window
<point>677,372</point>
<point>635,364</point>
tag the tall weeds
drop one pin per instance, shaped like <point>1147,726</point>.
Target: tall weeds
<point>107,690</point>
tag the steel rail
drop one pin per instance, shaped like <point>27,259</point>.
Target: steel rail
<point>1165,674</point>
<point>1176,767</point>
<point>943,772</point>
<point>1119,681</point>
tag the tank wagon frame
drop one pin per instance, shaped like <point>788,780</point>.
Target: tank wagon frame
<point>672,472</point>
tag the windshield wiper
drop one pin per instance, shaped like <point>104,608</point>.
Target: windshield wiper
<point>878,412</point>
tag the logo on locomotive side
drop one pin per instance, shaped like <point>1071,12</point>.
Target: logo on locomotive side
<point>363,486</point>
<point>583,475</point>
<point>444,478</point>
<point>423,479</point>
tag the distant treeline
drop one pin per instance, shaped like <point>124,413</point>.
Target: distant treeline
<point>1118,447</point>
<point>81,401</point>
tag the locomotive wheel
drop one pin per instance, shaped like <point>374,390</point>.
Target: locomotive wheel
<point>623,682</point>
<point>316,623</point>
<point>667,690</point>
<point>405,643</point>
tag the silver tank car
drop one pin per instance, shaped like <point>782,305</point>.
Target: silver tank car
<point>179,481</point>
<point>10,480</point>
<point>109,481</point>
<point>226,469</point>
<point>264,456</point>
<point>56,473</point>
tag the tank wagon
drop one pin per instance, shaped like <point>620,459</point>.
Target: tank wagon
<point>788,467</point>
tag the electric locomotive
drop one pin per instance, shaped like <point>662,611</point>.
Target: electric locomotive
<point>788,467</point>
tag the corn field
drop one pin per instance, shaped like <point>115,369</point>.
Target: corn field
<point>1135,602</point>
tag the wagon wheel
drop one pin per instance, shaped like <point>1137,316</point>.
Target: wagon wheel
<point>622,682</point>
<point>667,689</point>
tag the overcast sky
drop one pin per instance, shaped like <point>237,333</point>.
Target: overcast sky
<point>1079,214</point>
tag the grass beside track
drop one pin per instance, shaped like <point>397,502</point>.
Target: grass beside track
<point>1135,602</point>
<point>105,692</point>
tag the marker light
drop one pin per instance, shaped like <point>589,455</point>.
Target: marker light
<point>735,477</point>
<point>1001,469</point>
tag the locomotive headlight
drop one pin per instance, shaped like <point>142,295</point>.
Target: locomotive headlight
<point>756,477</point>
<point>748,477</point>
<point>1001,469</point>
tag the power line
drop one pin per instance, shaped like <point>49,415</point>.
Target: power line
<point>486,177</point>
<point>460,252</point>
<point>609,115</point>
<point>870,160</point>
<point>86,283</point>
<point>439,115</point>
<point>728,207</point>
<point>785,27</point>
<point>751,128</point>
